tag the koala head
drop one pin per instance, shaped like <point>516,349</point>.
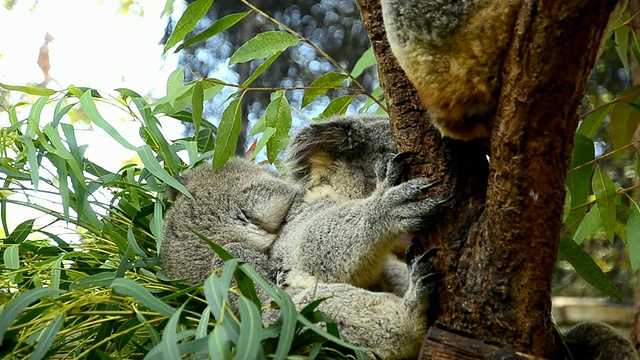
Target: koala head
<point>340,155</point>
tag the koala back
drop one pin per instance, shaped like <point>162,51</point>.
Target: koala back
<point>338,157</point>
<point>240,203</point>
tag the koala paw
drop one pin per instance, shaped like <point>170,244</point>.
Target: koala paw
<point>281,276</point>
<point>392,169</point>
<point>421,272</point>
<point>402,207</point>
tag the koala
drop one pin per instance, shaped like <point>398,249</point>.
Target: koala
<point>597,340</point>
<point>443,48</point>
<point>452,52</point>
<point>328,230</point>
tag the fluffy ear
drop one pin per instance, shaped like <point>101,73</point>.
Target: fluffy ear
<point>318,145</point>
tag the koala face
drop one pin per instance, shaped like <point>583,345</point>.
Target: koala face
<point>340,155</point>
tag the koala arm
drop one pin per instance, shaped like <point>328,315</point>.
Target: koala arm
<point>350,241</point>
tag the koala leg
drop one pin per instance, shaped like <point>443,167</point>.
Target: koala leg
<point>392,325</point>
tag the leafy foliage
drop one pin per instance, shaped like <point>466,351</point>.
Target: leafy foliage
<point>103,293</point>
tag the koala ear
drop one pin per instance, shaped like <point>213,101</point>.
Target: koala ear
<point>317,146</point>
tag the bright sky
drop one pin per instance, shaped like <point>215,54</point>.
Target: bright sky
<point>94,45</point>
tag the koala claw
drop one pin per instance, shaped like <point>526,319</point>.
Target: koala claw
<point>430,185</point>
<point>281,276</point>
<point>421,269</point>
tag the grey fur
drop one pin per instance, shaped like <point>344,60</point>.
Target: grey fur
<point>432,21</point>
<point>332,227</point>
<point>593,340</point>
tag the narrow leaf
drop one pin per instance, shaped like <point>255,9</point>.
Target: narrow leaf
<point>11,259</point>
<point>169,339</point>
<point>20,233</point>
<point>17,305</point>
<point>217,27</point>
<point>605,192</point>
<point>586,267</point>
<point>129,288</point>
<point>278,116</point>
<point>92,112</point>
<point>592,122</point>
<point>196,105</point>
<point>263,45</point>
<point>589,224</point>
<point>187,22</point>
<point>321,85</point>
<point>367,60</point>
<point>29,90</point>
<point>151,164</point>
<point>250,331</point>
<point>228,133</point>
<point>47,337</point>
<point>260,69</point>
<point>624,122</point>
<point>633,236</point>
<point>337,106</point>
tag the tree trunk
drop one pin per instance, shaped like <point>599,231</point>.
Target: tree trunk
<point>498,253</point>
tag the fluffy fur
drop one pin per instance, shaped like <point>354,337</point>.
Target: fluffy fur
<point>331,227</point>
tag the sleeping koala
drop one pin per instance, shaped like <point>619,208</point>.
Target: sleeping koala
<point>332,225</point>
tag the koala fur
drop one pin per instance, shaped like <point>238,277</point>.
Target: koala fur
<point>332,227</point>
<point>452,52</point>
<point>596,340</point>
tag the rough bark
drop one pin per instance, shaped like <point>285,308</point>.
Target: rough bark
<point>498,255</point>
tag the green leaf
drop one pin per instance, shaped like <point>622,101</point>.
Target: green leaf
<point>169,341</point>
<point>56,272</point>
<point>260,69</point>
<point>168,6</point>
<point>592,122</point>
<point>338,106</point>
<point>321,85</point>
<point>151,163</point>
<point>155,225</point>
<point>197,101</point>
<point>621,36</point>
<point>203,324</point>
<point>278,116</point>
<point>250,330</point>
<point>228,133</point>
<point>17,305</point>
<point>266,135</point>
<point>98,280</point>
<point>129,288</point>
<point>605,192</point>
<point>47,337</point>
<point>32,159</point>
<point>217,27</point>
<point>263,45</point>
<point>589,224</point>
<point>187,22</point>
<point>92,112</point>
<point>219,344</point>
<point>20,233</point>
<point>624,122</point>
<point>586,267</point>
<point>29,90</point>
<point>367,60</point>
<point>11,257</point>
<point>633,236</point>
<point>579,180</point>
<point>174,83</point>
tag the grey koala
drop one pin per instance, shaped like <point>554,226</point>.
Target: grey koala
<point>332,226</point>
<point>597,340</point>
